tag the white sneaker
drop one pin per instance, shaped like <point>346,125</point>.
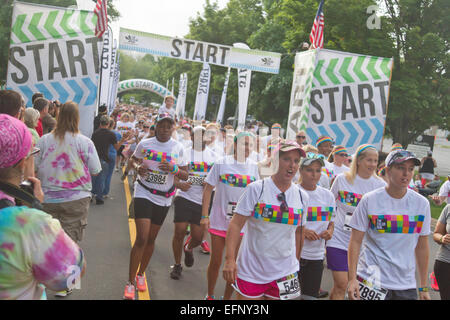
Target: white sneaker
<point>63,293</point>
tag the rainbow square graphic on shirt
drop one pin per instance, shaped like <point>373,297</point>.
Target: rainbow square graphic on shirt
<point>319,214</point>
<point>236,180</point>
<point>396,223</point>
<point>200,166</point>
<point>150,154</point>
<point>349,198</point>
<point>272,213</point>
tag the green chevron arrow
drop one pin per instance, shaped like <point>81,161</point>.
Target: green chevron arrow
<point>385,67</point>
<point>49,25</point>
<point>65,24</point>
<point>330,71</point>
<point>371,68</point>
<point>17,28</point>
<point>83,26</point>
<point>358,67</point>
<point>33,26</point>
<point>344,70</point>
<point>317,73</point>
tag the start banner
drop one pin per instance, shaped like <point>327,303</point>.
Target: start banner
<point>199,51</point>
<point>341,95</point>
<point>54,51</point>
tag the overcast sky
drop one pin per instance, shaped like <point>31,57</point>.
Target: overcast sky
<point>165,17</point>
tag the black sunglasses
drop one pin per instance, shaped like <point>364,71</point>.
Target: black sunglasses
<point>301,137</point>
<point>282,198</point>
<point>342,154</point>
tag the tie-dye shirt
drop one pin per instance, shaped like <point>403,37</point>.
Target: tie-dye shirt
<point>34,252</point>
<point>65,168</point>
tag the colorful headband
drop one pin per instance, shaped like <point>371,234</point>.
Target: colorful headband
<point>364,147</point>
<point>397,148</point>
<point>324,139</point>
<point>243,134</point>
<point>381,171</point>
<point>339,150</point>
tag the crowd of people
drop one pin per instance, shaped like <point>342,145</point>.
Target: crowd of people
<point>275,211</point>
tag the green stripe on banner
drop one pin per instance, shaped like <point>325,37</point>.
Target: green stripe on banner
<point>17,28</point>
<point>371,68</point>
<point>317,73</point>
<point>33,26</point>
<point>358,67</point>
<point>385,67</point>
<point>344,70</point>
<point>330,71</point>
<point>256,52</point>
<point>83,26</point>
<point>49,25</point>
<point>65,24</point>
<point>145,34</point>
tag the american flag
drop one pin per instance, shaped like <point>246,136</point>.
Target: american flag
<point>102,15</point>
<point>316,36</point>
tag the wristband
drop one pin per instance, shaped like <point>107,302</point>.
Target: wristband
<point>424,289</point>
<point>175,170</point>
<point>205,217</point>
<point>441,240</point>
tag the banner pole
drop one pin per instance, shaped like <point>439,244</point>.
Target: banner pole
<point>387,104</point>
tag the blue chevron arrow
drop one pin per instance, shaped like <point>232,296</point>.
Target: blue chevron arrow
<point>380,128</point>
<point>312,135</point>
<point>28,93</point>
<point>44,90</point>
<point>367,131</point>
<point>338,132</point>
<point>323,131</point>
<point>63,94</point>
<point>353,134</point>
<point>77,90</point>
<point>92,91</point>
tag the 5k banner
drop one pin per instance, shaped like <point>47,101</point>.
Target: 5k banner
<point>54,51</point>
<point>341,95</point>
<point>199,51</point>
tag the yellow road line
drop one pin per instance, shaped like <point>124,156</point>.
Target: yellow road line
<point>132,226</point>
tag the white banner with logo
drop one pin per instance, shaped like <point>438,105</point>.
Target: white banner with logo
<point>182,91</point>
<point>106,64</point>
<point>199,51</point>
<point>201,101</point>
<point>54,51</point>
<point>223,99</point>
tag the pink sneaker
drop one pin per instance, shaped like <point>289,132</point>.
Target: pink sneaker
<point>433,281</point>
<point>140,283</point>
<point>205,247</point>
<point>130,291</point>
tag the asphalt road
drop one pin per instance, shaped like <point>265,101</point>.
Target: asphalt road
<point>107,245</point>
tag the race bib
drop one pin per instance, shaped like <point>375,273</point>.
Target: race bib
<point>231,209</point>
<point>156,177</point>
<point>369,292</point>
<point>196,180</point>
<point>289,287</point>
<point>348,218</point>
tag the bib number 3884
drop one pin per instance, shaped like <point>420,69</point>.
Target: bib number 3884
<point>289,287</point>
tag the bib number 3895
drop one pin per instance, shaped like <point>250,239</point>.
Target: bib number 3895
<point>289,287</point>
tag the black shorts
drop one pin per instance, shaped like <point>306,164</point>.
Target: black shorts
<point>145,209</point>
<point>187,211</point>
<point>119,152</point>
<point>310,276</point>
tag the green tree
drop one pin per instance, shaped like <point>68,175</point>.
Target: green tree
<point>5,25</point>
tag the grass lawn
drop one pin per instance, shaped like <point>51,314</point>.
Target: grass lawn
<point>436,210</point>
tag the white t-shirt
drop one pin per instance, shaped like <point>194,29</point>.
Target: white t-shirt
<point>392,228</point>
<point>230,179</point>
<point>170,111</point>
<point>445,191</point>
<point>268,248</point>
<point>321,211</point>
<point>347,198</point>
<point>338,170</point>
<point>123,127</point>
<point>199,164</point>
<point>153,152</point>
